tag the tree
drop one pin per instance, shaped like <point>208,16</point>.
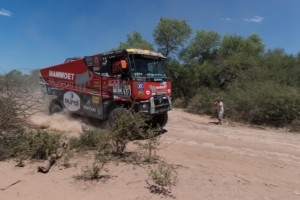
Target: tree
<point>203,47</point>
<point>232,44</point>
<point>18,100</point>
<point>237,54</point>
<point>254,45</point>
<point>280,67</point>
<point>136,41</point>
<point>170,35</point>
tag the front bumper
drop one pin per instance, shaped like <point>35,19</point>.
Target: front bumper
<point>155,105</point>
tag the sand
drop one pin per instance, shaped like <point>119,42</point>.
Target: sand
<point>229,161</point>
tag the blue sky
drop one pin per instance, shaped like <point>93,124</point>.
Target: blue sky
<point>40,33</point>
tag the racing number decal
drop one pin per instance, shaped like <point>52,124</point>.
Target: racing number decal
<point>123,91</point>
<point>126,92</point>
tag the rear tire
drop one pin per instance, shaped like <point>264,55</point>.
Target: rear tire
<point>54,108</point>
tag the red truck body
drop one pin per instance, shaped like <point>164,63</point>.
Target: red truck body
<point>95,85</point>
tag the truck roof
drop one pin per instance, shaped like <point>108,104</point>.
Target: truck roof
<point>134,51</point>
<point>144,52</point>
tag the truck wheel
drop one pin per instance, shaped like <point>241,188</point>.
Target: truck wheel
<point>160,120</point>
<point>115,114</point>
<point>54,108</point>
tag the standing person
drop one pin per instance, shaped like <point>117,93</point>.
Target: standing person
<point>220,110</point>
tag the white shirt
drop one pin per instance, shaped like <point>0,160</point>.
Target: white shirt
<point>221,107</point>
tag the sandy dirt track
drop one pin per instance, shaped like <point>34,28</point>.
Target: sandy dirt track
<point>215,162</point>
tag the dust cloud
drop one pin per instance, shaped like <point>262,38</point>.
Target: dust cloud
<point>61,122</point>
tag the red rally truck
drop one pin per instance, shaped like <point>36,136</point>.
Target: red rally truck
<point>101,85</point>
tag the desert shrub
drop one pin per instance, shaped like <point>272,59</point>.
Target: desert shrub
<point>94,172</point>
<point>90,139</point>
<point>202,102</point>
<point>9,141</point>
<point>18,101</point>
<point>295,125</point>
<point>147,149</point>
<point>263,103</point>
<point>37,144</point>
<point>41,144</point>
<point>128,126</point>
<point>179,103</point>
<point>257,102</point>
<point>9,118</point>
<point>164,177</point>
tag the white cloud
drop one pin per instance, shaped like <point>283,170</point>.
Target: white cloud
<point>5,12</point>
<point>256,19</point>
<point>227,19</point>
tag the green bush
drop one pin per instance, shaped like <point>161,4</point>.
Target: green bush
<point>90,139</point>
<point>9,118</point>
<point>263,103</point>
<point>37,144</point>
<point>41,144</point>
<point>295,126</point>
<point>203,101</point>
<point>164,176</point>
<point>147,151</point>
<point>257,102</point>
<point>93,172</point>
<point>127,127</point>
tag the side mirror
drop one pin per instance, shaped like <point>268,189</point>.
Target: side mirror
<point>118,66</point>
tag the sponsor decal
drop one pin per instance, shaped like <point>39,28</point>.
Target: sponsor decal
<point>140,86</point>
<point>113,83</point>
<point>148,92</point>
<point>88,107</point>
<point>117,98</point>
<point>158,90</point>
<point>97,83</point>
<point>103,61</point>
<point>59,83</point>
<point>95,99</point>
<point>169,90</point>
<point>89,61</point>
<point>96,61</point>
<point>83,79</point>
<point>153,88</point>
<point>140,93</point>
<point>123,91</point>
<point>63,75</point>
<point>71,101</point>
<point>163,85</point>
<point>94,91</point>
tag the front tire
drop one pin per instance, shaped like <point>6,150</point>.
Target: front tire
<point>115,115</point>
<point>160,120</point>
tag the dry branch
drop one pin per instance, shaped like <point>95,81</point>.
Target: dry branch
<point>2,189</point>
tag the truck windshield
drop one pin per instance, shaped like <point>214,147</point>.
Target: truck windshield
<point>144,66</point>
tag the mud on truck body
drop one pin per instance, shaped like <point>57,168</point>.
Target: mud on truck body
<point>99,86</point>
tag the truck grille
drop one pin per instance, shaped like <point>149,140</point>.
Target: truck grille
<point>161,104</point>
